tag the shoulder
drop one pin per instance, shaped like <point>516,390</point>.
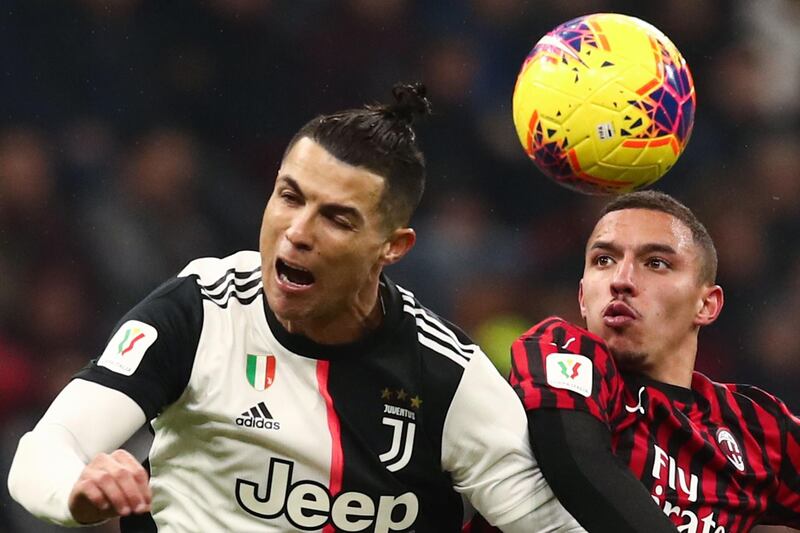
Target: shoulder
<point>211,269</point>
<point>207,278</point>
<point>554,334</point>
<point>555,349</point>
<point>557,364</point>
<point>747,398</point>
<point>437,337</point>
<point>220,279</point>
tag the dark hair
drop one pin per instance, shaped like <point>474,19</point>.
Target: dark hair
<point>381,139</point>
<point>659,201</point>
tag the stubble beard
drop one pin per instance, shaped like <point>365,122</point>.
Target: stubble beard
<point>630,360</point>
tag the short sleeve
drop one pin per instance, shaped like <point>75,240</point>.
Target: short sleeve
<point>150,354</point>
<point>558,365</point>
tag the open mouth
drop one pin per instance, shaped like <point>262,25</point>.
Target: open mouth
<point>293,274</point>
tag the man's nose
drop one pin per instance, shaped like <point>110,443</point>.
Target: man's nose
<point>300,232</point>
<point>624,281</point>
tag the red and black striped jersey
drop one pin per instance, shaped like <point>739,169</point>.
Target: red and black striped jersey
<point>717,458</point>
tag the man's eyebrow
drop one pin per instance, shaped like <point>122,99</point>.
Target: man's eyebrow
<point>329,209</point>
<point>643,249</point>
<point>290,181</point>
<point>341,209</point>
<point>656,247</point>
<point>604,245</point>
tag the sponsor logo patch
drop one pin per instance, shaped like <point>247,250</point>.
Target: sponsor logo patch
<point>127,347</point>
<point>309,505</point>
<point>569,371</point>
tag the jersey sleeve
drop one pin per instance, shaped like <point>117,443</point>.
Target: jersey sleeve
<point>150,354</point>
<point>558,365</point>
<point>486,450</point>
<point>785,506</point>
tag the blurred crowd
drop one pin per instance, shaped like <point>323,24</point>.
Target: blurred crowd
<point>136,135</point>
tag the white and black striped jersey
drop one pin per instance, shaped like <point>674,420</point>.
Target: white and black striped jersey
<point>257,429</point>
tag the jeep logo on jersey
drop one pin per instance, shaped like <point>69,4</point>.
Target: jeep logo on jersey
<point>127,347</point>
<point>260,370</point>
<point>730,448</point>
<point>308,505</point>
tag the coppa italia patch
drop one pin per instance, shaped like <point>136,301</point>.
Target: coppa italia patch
<point>569,371</point>
<point>127,347</point>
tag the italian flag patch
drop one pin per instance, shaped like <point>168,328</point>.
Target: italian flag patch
<point>260,370</point>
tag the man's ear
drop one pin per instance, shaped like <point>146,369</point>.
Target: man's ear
<point>580,299</point>
<point>400,242</point>
<point>710,305</point>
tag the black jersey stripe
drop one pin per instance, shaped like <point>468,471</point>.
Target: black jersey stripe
<point>532,352</point>
<point>705,454</point>
<point>221,295</point>
<point>244,300</point>
<point>225,278</point>
<point>677,443</point>
<point>427,321</point>
<point>723,487</point>
<point>435,346</point>
<point>759,493</point>
<point>746,419</point>
<point>531,343</point>
<point>714,484</point>
<point>413,306</point>
<point>437,331</point>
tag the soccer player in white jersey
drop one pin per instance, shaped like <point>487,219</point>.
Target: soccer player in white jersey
<point>297,388</point>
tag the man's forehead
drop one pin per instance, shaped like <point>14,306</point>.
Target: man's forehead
<point>313,168</point>
<point>634,227</point>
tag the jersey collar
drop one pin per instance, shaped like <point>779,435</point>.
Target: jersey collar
<point>673,392</point>
<point>302,345</point>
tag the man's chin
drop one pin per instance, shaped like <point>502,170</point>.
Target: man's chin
<point>286,307</point>
<point>628,358</point>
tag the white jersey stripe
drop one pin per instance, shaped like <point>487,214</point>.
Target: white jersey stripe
<point>404,291</point>
<point>231,275</point>
<point>233,288</point>
<point>230,290</point>
<point>433,332</point>
<point>436,347</point>
<point>428,319</point>
<point>222,295</point>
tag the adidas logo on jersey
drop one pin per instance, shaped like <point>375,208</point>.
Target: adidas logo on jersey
<point>257,417</point>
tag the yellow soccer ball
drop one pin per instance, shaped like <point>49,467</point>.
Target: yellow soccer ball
<point>604,104</point>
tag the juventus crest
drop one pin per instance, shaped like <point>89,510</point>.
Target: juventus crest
<point>402,422</point>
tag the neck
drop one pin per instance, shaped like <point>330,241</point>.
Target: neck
<point>364,315</point>
<point>677,366</point>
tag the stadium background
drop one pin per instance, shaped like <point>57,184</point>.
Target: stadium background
<point>136,135</point>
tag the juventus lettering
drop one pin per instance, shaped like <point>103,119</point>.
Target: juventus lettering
<point>307,504</point>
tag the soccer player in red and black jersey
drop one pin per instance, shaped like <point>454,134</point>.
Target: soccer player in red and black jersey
<point>714,457</point>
